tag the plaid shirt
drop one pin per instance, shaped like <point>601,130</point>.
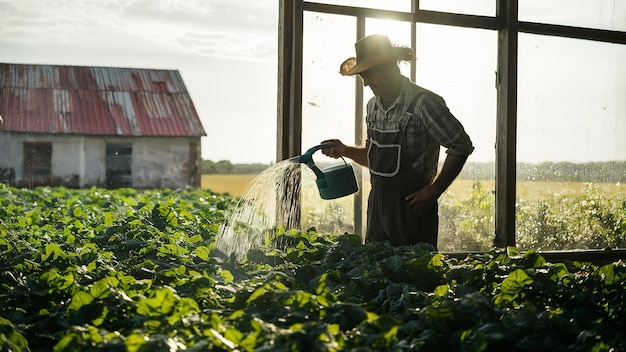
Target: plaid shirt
<point>431,125</point>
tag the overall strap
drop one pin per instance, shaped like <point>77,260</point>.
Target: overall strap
<point>411,107</point>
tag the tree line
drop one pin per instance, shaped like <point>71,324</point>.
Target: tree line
<point>226,167</point>
<point>609,171</point>
<point>599,172</point>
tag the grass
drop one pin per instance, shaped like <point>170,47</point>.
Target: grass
<point>234,185</point>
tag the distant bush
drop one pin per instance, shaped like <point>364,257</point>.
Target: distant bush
<point>590,220</point>
<point>609,171</point>
<point>226,167</point>
<point>467,224</point>
<point>598,172</point>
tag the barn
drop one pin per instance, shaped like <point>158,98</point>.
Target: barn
<point>84,126</point>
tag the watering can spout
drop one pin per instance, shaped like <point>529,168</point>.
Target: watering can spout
<point>334,182</point>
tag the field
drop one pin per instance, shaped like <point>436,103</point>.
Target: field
<point>139,271</point>
<point>236,185</point>
<point>549,215</point>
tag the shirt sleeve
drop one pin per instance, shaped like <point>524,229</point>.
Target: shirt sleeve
<point>444,128</point>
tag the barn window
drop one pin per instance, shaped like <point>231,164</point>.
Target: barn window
<point>118,166</point>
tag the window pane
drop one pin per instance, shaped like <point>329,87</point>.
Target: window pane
<point>392,5</point>
<point>571,144</point>
<point>474,7</point>
<point>327,112</point>
<point>399,33</point>
<point>328,97</point>
<point>466,82</point>
<point>600,14</point>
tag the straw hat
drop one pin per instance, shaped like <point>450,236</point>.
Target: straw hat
<point>372,51</point>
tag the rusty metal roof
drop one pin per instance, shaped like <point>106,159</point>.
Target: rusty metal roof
<point>96,101</point>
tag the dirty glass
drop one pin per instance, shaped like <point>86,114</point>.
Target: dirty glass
<point>399,33</point>
<point>327,113</point>
<point>473,7</point>
<point>467,86</point>
<point>459,64</point>
<point>571,144</point>
<point>392,5</point>
<point>598,14</point>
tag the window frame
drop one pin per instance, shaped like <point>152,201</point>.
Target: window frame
<point>506,22</point>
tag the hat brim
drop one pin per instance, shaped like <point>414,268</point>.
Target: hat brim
<point>351,66</point>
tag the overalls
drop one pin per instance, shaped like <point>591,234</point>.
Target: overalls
<point>389,216</point>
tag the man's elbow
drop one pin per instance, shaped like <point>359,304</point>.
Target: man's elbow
<point>460,150</point>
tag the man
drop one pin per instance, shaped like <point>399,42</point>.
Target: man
<point>406,125</point>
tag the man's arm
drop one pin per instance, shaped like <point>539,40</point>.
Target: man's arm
<point>452,167</point>
<point>358,154</point>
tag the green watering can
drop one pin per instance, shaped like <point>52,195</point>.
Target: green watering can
<point>333,182</point>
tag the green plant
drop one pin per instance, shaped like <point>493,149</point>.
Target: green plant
<point>587,220</point>
<point>468,224</point>
<point>127,270</point>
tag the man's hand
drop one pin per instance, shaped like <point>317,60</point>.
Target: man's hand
<point>334,152</point>
<point>358,154</point>
<point>426,197</point>
<point>423,199</point>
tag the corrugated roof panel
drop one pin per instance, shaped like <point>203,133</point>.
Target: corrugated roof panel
<point>96,101</point>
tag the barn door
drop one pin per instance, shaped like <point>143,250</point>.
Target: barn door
<point>37,163</point>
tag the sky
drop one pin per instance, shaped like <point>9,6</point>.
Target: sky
<point>226,53</point>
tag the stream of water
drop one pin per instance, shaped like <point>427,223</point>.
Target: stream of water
<point>271,201</point>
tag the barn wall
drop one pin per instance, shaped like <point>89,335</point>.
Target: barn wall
<point>156,162</point>
<point>79,156</point>
<point>93,171</point>
<point>11,147</point>
<point>161,163</point>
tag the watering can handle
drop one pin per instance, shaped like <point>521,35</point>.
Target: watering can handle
<point>307,157</point>
<point>312,150</point>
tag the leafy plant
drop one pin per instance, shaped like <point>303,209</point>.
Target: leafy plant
<point>588,220</point>
<point>128,270</point>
